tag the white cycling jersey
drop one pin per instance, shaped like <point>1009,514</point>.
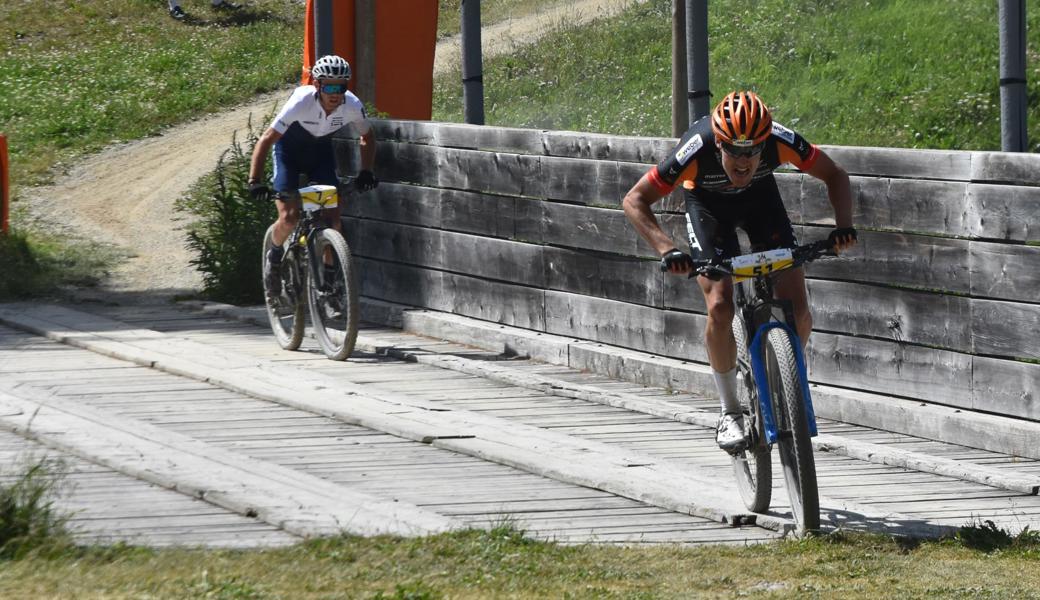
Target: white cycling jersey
<point>303,107</point>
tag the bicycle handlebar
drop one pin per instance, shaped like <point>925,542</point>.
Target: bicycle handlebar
<point>799,255</point>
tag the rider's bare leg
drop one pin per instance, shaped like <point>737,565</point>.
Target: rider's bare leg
<point>790,285</point>
<point>718,334</point>
<point>288,215</point>
<point>718,337</point>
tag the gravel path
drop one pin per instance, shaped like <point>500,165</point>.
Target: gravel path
<point>124,195</point>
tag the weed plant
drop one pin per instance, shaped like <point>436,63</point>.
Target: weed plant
<point>29,520</point>
<point>228,226</point>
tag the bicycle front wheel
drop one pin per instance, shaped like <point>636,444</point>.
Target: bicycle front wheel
<point>285,309</point>
<point>333,296</point>
<point>795,445</point>
<point>753,467</point>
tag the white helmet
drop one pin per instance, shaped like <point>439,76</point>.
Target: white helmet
<point>330,66</point>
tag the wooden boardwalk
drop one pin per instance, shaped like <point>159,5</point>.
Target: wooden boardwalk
<point>559,461</point>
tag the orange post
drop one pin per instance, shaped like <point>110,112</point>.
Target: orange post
<point>5,184</point>
<point>406,38</point>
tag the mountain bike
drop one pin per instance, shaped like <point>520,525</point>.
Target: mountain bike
<point>772,384</point>
<point>318,265</point>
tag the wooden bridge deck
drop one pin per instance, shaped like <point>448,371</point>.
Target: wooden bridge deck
<point>459,476</point>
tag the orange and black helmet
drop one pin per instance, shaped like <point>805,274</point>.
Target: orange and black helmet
<point>741,119</point>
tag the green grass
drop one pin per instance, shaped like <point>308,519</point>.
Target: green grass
<point>896,73</point>
<point>39,261</point>
<point>502,564</point>
<point>78,75</point>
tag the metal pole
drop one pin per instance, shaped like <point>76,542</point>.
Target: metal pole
<point>472,67</point>
<point>1012,15</point>
<point>699,96</point>
<point>323,34</point>
<point>364,76</point>
<point>680,108</point>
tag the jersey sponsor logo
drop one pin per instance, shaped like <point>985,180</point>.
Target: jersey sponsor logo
<point>689,149</point>
<point>337,122</point>
<point>695,244</point>
<point>783,133</point>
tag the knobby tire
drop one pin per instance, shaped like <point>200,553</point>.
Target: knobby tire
<point>336,336</point>
<point>753,467</point>
<point>285,311</point>
<point>795,445</point>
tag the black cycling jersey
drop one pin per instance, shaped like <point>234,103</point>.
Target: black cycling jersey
<point>696,164</point>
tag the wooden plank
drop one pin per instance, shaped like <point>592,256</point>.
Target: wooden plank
<point>495,173</point>
<point>607,147</point>
<point>917,261</point>
<point>1004,212</point>
<point>620,324</point>
<point>1019,168</point>
<point>900,315</point>
<point>1006,387</point>
<point>1005,329</point>
<point>457,135</point>
<point>891,368</point>
<point>594,182</point>
<point>908,205</point>
<point>487,300</point>
<point>467,254</point>
<point>1005,271</point>
<point>603,276</point>
<point>468,212</point>
<point>906,163</point>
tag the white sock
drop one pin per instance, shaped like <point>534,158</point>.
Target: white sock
<point>726,383</point>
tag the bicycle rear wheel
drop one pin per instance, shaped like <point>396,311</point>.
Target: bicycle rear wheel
<point>795,445</point>
<point>753,467</point>
<point>335,308</point>
<point>284,310</point>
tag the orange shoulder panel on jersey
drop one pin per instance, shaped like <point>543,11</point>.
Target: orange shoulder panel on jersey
<point>654,176</point>
<point>788,154</point>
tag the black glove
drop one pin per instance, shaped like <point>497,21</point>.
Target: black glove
<point>676,258</point>
<point>842,234</point>
<point>366,181</point>
<point>259,191</point>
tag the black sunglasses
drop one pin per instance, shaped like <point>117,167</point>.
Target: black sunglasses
<point>742,151</point>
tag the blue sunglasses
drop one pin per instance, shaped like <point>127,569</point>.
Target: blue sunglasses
<point>334,88</point>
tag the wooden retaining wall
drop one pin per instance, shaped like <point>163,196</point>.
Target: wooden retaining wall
<point>940,302</point>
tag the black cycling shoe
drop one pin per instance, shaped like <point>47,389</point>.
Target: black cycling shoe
<point>273,271</point>
<point>226,5</point>
<point>177,13</point>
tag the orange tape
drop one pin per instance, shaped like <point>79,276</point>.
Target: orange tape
<point>5,184</point>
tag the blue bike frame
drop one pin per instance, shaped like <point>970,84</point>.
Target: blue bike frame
<point>758,368</point>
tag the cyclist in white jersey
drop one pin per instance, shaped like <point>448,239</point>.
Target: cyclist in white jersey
<point>301,134</point>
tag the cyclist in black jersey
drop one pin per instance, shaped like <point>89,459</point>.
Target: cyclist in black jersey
<point>725,164</point>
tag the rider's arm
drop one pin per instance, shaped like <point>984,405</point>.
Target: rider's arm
<point>637,205</point>
<point>263,146</point>
<point>839,192</point>
<point>366,144</point>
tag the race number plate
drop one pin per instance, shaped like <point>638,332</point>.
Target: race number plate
<point>760,263</point>
<point>315,197</point>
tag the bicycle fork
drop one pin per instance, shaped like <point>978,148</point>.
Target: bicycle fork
<point>758,369</point>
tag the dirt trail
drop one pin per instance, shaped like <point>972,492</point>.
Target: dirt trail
<point>124,195</point>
